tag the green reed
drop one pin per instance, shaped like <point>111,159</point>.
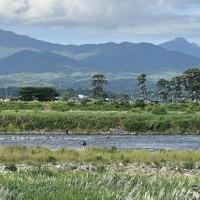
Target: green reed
<point>94,117</point>
<point>98,121</point>
<point>45,184</point>
<point>41,155</point>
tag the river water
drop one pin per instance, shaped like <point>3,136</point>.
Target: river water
<point>125,141</point>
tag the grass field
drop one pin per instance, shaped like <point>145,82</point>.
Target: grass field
<point>40,182</point>
<point>41,155</point>
<point>43,184</point>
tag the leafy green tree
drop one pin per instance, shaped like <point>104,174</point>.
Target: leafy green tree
<point>46,93</point>
<point>191,80</point>
<point>143,88</point>
<point>163,88</point>
<point>37,93</point>
<point>176,87</point>
<point>98,80</point>
<point>27,93</point>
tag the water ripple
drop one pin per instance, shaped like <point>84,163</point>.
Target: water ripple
<point>55,141</point>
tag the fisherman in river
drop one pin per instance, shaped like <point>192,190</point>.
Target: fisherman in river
<point>84,144</point>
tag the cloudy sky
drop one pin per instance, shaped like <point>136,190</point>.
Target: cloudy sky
<point>96,21</point>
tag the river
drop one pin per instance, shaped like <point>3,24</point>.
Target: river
<point>122,141</point>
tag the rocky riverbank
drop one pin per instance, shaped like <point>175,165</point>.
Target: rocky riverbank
<point>110,168</point>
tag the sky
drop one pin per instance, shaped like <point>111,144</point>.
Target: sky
<point>100,21</point>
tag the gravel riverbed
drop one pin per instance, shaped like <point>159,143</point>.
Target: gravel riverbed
<point>110,168</point>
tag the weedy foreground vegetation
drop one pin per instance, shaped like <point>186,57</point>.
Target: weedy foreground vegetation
<point>41,182</point>
<point>47,184</point>
<point>42,155</point>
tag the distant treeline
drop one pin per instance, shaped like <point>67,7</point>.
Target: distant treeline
<point>185,86</point>
<point>14,92</point>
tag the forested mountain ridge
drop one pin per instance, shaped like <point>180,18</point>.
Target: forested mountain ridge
<point>25,61</point>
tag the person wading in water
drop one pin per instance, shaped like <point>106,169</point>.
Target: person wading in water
<point>84,144</point>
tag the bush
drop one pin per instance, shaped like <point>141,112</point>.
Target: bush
<point>11,167</point>
<point>139,104</point>
<point>113,149</point>
<point>101,168</point>
<point>52,159</point>
<point>99,102</point>
<point>159,110</point>
<point>84,101</point>
<point>71,103</point>
<point>189,164</point>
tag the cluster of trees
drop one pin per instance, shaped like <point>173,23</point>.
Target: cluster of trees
<point>168,90</point>
<point>187,83</point>
<point>37,93</point>
<point>50,93</point>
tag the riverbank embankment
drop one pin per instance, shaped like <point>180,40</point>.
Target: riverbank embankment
<point>99,117</point>
<point>99,122</point>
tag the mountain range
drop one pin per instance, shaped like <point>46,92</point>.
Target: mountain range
<point>25,61</point>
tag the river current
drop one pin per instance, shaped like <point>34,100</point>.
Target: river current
<point>121,141</point>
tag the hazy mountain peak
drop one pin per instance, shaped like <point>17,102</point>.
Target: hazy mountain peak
<point>180,39</point>
<point>177,41</point>
<point>183,46</point>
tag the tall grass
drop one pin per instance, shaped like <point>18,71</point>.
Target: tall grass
<point>40,183</point>
<point>42,155</point>
<point>63,106</point>
<point>96,121</point>
<point>58,116</point>
<point>20,105</point>
<point>46,184</point>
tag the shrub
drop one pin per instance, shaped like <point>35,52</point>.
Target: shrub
<point>126,161</point>
<point>84,101</point>
<point>99,102</point>
<point>101,168</point>
<point>189,164</point>
<point>71,103</point>
<point>159,110</point>
<point>99,158</point>
<point>11,167</point>
<point>113,149</point>
<point>139,104</point>
<point>52,159</point>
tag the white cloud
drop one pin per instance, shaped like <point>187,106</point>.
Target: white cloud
<point>112,13</point>
<point>127,16</point>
